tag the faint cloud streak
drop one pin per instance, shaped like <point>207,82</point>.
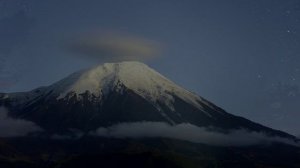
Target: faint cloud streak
<point>111,46</point>
<point>10,127</point>
<point>188,132</point>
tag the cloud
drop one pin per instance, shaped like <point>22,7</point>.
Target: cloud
<point>73,134</point>
<point>111,46</point>
<point>187,132</point>
<point>10,127</point>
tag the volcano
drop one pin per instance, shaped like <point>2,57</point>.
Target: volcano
<point>131,94</point>
<point>115,93</point>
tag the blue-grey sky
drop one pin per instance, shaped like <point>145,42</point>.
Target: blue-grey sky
<point>243,55</point>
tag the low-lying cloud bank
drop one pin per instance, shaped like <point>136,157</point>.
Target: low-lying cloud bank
<point>187,132</point>
<point>10,127</point>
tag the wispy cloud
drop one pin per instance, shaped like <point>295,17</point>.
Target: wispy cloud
<point>187,132</point>
<point>112,46</point>
<point>10,127</point>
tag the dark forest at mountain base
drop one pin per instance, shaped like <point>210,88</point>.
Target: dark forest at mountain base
<point>136,153</point>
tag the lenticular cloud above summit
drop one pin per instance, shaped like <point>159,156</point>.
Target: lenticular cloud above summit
<point>113,46</point>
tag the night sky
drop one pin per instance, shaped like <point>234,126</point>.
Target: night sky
<point>243,55</point>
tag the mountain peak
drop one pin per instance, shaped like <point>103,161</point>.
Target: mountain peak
<point>108,75</point>
<point>124,63</point>
<point>135,76</point>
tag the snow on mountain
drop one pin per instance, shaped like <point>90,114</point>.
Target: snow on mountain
<point>135,76</point>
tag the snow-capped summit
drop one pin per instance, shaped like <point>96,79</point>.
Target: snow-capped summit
<point>135,76</point>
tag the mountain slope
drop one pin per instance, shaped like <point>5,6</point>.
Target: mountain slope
<point>120,93</point>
